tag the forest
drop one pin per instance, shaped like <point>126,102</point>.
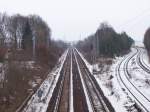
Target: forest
<point>27,54</point>
<point>106,42</point>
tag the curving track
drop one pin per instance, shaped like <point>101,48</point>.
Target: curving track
<point>123,78</point>
<point>141,62</point>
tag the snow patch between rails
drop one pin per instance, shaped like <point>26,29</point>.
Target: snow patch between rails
<point>40,104</point>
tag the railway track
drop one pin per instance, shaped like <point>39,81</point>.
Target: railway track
<point>60,102</point>
<point>97,99</point>
<point>31,102</point>
<point>22,106</point>
<point>79,101</point>
<point>132,89</point>
<point>141,63</point>
<point>76,89</point>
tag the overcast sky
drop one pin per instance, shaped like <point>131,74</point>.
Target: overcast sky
<point>76,19</point>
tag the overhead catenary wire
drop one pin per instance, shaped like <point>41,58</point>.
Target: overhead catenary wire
<point>137,17</point>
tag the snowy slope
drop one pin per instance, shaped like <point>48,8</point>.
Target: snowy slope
<point>111,87</point>
<point>130,86</point>
<point>37,104</point>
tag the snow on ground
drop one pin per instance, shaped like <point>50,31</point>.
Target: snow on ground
<point>90,67</point>
<point>40,100</point>
<point>134,92</point>
<point>109,84</point>
<point>139,77</point>
<point>112,89</point>
<point>144,57</point>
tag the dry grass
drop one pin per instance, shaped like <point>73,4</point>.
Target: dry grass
<point>19,75</point>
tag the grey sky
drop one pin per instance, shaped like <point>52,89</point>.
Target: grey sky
<point>76,19</point>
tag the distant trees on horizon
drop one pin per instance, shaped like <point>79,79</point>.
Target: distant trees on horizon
<point>20,29</point>
<point>27,53</point>
<point>107,42</point>
<point>111,43</point>
<point>29,34</point>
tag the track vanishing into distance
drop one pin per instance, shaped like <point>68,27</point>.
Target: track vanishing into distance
<point>86,94</point>
<point>79,101</point>
<point>97,99</point>
<point>124,79</point>
<point>78,91</point>
<point>60,99</point>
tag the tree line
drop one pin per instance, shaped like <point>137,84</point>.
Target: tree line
<point>106,42</point>
<point>27,53</point>
<point>21,29</point>
<point>28,33</point>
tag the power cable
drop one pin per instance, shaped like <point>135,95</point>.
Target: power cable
<point>134,18</point>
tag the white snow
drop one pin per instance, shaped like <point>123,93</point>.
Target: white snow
<point>132,90</point>
<point>36,104</point>
<point>90,67</point>
<point>139,77</point>
<point>118,98</point>
<point>111,87</point>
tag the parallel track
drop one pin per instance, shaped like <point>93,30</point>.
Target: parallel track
<point>59,102</point>
<point>79,101</point>
<point>97,99</point>
<point>127,74</point>
<point>142,64</point>
<point>30,102</point>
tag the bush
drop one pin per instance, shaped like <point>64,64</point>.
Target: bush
<point>46,56</point>
<point>42,54</point>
